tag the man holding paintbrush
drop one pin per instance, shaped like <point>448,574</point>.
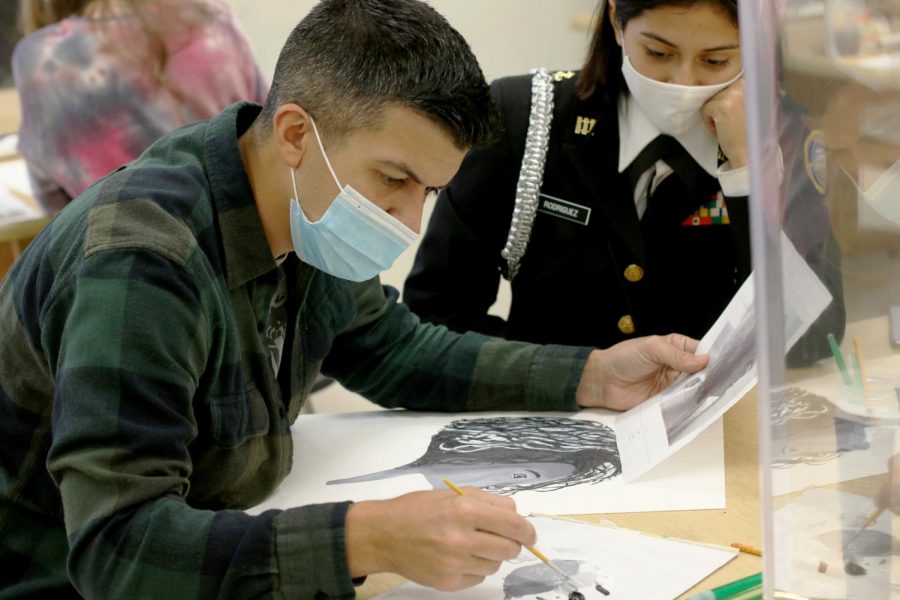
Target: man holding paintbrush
<point>160,336</point>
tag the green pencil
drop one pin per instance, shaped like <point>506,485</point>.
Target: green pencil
<point>734,590</point>
<point>839,359</point>
<point>754,593</point>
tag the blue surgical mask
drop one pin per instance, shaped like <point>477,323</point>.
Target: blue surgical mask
<point>354,239</point>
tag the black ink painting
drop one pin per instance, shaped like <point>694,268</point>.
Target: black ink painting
<point>506,455</point>
<point>808,429</point>
<point>731,356</point>
<point>539,581</point>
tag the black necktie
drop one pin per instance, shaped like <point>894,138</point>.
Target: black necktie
<point>660,147</point>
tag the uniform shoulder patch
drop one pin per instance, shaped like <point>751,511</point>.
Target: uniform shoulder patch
<point>815,160</point>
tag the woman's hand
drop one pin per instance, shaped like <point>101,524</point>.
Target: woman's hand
<point>724,116</point>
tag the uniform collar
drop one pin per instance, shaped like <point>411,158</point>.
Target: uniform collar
<point>636,131</point>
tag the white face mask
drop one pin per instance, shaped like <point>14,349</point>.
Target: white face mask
<point>672,108</point>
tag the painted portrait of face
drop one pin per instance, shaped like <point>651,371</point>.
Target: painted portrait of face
<point>511,454</point>
<point>808,429</point>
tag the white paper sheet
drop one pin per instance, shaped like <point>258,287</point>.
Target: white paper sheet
<point>378,446</point>
<point>616,559</point>
<point>824,432</point>
<point>652,431</point>
<point>14,209</point>
<point>9,145</point>
<point>810,533</point>
<point>14,176</point>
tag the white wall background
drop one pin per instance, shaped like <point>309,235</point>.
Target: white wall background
<point>507,36</point>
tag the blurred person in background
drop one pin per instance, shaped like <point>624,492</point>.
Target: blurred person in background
<point>9,35</point>
<point>100,80</point>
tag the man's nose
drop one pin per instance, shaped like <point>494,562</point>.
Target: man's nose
<point>410,215</point>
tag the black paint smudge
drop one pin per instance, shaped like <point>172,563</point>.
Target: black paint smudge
<point>535,579</point>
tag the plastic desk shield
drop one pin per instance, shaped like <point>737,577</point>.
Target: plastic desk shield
<point>822,89</point>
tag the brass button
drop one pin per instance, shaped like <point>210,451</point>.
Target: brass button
<point>634,273</point>
<point>626,324</point>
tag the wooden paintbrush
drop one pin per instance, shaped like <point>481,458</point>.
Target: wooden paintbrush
<point>871,519</point>
<point>566,579</point>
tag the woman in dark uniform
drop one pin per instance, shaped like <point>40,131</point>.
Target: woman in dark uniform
<point>615,200</point>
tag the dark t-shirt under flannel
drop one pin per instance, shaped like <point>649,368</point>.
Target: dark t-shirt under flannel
<point>139,410</point>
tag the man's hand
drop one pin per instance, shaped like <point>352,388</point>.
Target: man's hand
<point>724,117</point>
<point>628,373</point>
<point>438,538</point>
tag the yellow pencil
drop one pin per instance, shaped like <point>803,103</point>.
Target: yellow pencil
<point>531,549</point>
<point>748,549</point>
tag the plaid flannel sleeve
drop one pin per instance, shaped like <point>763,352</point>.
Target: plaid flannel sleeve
<point>389,356</point>
<point>126,378</point>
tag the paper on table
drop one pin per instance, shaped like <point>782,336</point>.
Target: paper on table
<point>14,176</point>
<point>652,431</point>
<point>9,146</point>
<point>13,209</point>
<point>810,534</point>
<point>616,559</point>
<point>572,475</point>
<point>824,432</point>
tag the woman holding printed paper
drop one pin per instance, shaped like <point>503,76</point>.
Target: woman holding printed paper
<point>616,201</point>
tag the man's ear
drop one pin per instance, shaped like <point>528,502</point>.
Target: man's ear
<point>614,22</point>
<point>291,127</point>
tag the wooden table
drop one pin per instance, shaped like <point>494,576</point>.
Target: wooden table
<point>10,113</point>
<point>739,522</point>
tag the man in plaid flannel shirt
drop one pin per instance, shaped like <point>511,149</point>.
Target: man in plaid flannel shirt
<point>160,336</point>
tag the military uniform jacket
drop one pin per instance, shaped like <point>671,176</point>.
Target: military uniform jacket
<point>594,273</point>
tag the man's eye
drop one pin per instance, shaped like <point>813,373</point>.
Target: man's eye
<point>520,476</point>
<point>393,181</point>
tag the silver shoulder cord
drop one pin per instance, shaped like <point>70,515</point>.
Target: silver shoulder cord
<point>531,175</point>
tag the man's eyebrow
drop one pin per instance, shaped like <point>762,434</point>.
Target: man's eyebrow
<point>663,40</point>
<point>406,169</point>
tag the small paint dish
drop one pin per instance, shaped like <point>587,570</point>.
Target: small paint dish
<point>876,404</point>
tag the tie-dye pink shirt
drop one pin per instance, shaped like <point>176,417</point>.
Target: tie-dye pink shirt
<point>91,101</point>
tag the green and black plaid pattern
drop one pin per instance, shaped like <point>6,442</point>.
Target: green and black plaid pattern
<point>138,408</point>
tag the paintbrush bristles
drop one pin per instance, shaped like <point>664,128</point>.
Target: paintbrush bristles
<point>871,519</point>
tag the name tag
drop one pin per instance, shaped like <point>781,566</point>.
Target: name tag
<point>564,209</point>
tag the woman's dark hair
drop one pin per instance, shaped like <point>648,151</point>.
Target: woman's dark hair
<point>602,68</point>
